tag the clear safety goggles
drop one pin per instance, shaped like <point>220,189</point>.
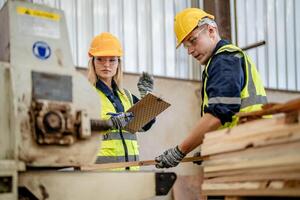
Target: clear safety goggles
<point>102,61</point>
<point>193,39</point>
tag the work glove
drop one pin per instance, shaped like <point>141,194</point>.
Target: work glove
<point>197,154</point>
<point>120,120</point>
<point>170,158</point>
<point>145,84</point>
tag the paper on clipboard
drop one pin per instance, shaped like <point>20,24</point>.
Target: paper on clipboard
<point>144,111</point>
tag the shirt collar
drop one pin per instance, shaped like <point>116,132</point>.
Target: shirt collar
<point>100,85</point>
<point>219,45</point>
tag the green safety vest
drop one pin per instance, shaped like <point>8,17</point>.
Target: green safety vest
<point>252,96</point>
<point>116,146</point>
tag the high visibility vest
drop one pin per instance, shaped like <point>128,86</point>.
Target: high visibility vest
<point>117,146</point>
<point>252,96</point>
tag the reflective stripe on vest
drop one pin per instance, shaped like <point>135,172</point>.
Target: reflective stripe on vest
<point>112,145</point>
<point>116,136</point>
<point>114,159</point>
<point>252,95</point>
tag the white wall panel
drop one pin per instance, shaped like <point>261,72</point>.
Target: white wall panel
<point>290,45</point>
<point>297,42</point>
<point>71,11</point>
<point>144,33</point>
<point>158,37</point>
<point>170,40</point>
<point>130,35</point>
<point>276,22</point>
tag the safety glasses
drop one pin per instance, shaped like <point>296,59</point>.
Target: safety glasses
<point>192,40</point>
<point>102,60</point>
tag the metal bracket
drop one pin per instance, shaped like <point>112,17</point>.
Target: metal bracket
<point>164,182</point>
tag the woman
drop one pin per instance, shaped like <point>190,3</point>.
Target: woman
<point>105,74</point>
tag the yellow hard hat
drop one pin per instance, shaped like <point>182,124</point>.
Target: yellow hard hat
<point>105,44</point>
<point>186,21</point>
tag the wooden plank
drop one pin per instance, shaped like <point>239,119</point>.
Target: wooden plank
<point>289,106</point>
<point>254,171</point>
<point>234,198</point>
<point>253,185</point>
<point>275,155</point>
<point>256,192</point>
<point>275,135</point>
<point>256,177</point>
<point>131,164</point>
<point>251,127</point>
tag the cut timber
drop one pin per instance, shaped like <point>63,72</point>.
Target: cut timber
<point>290,106</point>
<point>257,192</point>
<point>131,164</point>
<point>254,171</point>
<point>256,177</point>
<point>253,126</point>
<point>267,135</point>
<point>270,156</point>
<point>253,187</point>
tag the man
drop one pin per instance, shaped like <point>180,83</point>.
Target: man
<point>231,83</point>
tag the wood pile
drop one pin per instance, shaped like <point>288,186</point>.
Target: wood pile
<point>258,158</point>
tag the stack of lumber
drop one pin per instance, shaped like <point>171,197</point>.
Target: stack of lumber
<point>257,158</point>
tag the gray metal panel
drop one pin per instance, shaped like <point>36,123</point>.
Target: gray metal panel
<point>51,87</point>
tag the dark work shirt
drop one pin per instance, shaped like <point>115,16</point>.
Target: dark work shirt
<point>226,79</point>
<point>114,98</point>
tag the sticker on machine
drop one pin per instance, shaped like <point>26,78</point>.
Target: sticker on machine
<point>41,50</point>
<point>38,22</point>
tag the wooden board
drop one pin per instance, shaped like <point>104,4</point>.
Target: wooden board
<point>130,164</point>
<point>276,134</point>
<point>256,177</point>
<point>255,192</point>
<point>289,106</point>
<point>144,111</point>
<point>254,171</point>
<point>275,155</point>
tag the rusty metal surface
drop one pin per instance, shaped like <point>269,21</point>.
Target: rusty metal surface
<point>221,11</point>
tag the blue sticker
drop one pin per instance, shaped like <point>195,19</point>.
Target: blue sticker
<point>41,50</point>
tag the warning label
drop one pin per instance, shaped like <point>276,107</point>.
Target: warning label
<point>38,13</point>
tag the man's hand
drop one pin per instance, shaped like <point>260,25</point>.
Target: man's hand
<point>145,84</point>
<point>120,120</point>
<point>170,158</point>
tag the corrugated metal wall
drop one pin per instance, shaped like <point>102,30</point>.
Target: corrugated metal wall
<point>278,23</point>
<point>145,28</point>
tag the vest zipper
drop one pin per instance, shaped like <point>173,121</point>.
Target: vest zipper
<point>125,147</point>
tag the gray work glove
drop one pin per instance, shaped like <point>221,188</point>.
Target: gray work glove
<point>145,84</point>
<point>170,158</point>
<point>120,120</point>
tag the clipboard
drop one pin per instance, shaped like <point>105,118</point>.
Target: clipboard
<point>144,111</point>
